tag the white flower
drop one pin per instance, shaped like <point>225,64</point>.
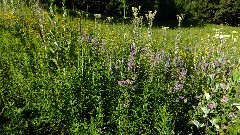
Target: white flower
<point>224,36</point>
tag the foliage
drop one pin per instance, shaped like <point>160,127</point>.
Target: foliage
<point>70,75</point>
<point>214,11</point>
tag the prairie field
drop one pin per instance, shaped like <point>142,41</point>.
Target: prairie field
<point>90,74</point>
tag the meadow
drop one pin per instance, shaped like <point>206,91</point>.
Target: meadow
<point>88,74</point>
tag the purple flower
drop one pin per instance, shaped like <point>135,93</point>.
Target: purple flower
<point>125,82</point>
<point>232,115</point>
<point>216,63</point>
<point>167,64</point>
<point>157,58</point>
<point>223,62</point>
<point>205,65</point>
<point>179,64</point>
<point>183,73</point>
<point>224,86</point>
<point>84,33</point>
<point>131,61</point>
<point>210,106</point>
<point>170,91</point>
<point>178,86</point>
<point>224,99</point>
<point>133,46</point>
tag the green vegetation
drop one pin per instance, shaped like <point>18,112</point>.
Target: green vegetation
<point>72,75</point>
<point>225,12</point>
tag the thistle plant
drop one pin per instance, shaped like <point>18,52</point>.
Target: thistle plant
<point>137,22</point>
<point>177,40</point>
<point>97,25</point>
<point>180,19</point>
<point>150,16</point>
<point>109,19</point>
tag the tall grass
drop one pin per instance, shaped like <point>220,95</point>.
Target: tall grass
<point>72,75</point>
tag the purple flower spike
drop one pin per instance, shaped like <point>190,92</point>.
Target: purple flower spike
<point>180,85</point>
<point>131,61</point>
<point>133,46</point>
<point>179,64</point>
<point>167,64</point>
<point>183,73</point>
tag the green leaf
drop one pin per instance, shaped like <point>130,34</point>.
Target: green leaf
<point>198,124</point>
<point>235,75</point>
<point>207,95</point>
<point>214,122</point>
<point>55,61</point>
<point>237,105</point>
<point>206,111</point>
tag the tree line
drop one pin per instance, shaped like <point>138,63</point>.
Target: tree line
<point>214,11</point>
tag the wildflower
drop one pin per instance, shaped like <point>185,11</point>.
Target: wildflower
<point>183,73</point>
<point>223,62</point>
<point>185,100</point>
<point>179,64</point>
<point>130,63</point>
<point>224,99</point>
<point>224,36</point>
<point>197,97</point>
<point>232,115</point>
<point>97,16</point>
<point>212,105</point>
<point>224,86</point>
<point>205,66</point>
<point>116,65</point>
<point>125,82</point>
<point>180,86</point>
<point>134,87</point>
<point>181,97</point>
<point>165,28</point>
<point>156,61</point>
<point>167,64</point>
<point>216,63</point>
<point>221,36</point>
<point>84,33</point>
